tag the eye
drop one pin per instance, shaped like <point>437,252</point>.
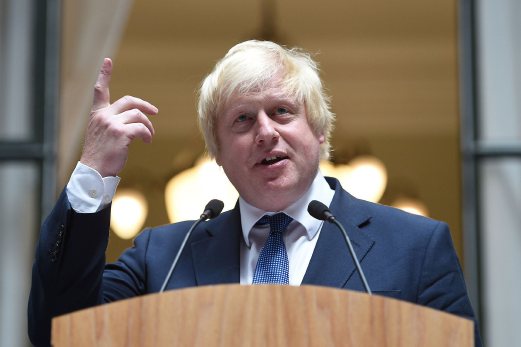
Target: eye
<point>281,110</point>
<point>242,122</point>
<point>242,118</point>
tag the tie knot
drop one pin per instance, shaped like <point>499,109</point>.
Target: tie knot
<point>278,222</point>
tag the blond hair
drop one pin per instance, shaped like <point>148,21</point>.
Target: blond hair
<point>250,66</point>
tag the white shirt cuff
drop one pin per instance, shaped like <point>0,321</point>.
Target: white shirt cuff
<point>88,192</point>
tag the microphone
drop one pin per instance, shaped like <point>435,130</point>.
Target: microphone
<point>211,210</point>
<point>320,211</point>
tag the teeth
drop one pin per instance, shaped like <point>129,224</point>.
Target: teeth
<point>271,159</point>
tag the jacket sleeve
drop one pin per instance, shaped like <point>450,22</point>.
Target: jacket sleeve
<point>442,285</point>
<point>68,267</point>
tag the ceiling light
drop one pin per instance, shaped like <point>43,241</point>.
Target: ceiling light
<point>365,176</point>
<point>411,205</point>
<point>189,191</point>
<point>128,213</point>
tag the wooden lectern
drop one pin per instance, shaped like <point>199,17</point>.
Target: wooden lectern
<point>235,315</point>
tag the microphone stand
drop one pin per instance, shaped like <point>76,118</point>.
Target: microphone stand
<point>352,253</point>
<point>212,210</point>
<point>178,255</point>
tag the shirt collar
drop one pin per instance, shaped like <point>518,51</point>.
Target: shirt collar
<point>319,190</point>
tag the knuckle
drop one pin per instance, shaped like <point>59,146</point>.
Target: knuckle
<point>145,129</point>
<point>128,99</point>
<point>141,130</point>
<point>98,87</point>
<point>101,120</point>
<point>140,115</point>
<point>95,116</point>
<point>115,131</point>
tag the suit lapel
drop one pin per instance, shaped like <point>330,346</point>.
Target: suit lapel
<point>331,263</point>
<point>216,249</point>
<point>216,253</point>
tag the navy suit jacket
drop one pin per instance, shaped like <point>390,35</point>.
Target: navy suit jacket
<point>404,256</point>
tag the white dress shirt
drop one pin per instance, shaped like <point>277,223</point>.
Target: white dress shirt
<point>88,192</point>
<point>300,238</point>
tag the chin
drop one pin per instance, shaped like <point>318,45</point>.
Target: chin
<point>280,185</point>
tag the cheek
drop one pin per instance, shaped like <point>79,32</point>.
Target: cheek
<point>230,149</point>
<point>218,152</point>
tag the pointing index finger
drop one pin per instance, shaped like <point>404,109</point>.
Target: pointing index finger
<point>101,88</point>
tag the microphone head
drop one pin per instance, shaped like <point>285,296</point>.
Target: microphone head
<point>213,209</point>
<point>319,211</point>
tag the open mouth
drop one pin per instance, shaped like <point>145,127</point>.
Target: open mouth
<point>272,160</point>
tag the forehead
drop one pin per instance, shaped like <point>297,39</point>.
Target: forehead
<point>262,96</point>
<point>273,91</point>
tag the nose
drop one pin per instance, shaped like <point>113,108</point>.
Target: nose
<point>266,132</point>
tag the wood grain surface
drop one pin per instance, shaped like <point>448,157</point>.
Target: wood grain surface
<point>234,315</point>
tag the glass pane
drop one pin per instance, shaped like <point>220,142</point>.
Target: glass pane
<point>16,72</point>
<point>19,219</point>
<point>499,70</point>
<point>501,241</point>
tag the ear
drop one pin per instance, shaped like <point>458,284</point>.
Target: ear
<point>321,138</point>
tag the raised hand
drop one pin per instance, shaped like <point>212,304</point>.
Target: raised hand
<point>112,127</point>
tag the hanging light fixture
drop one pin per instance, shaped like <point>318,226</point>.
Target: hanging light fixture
<point>128,213</point>
<point>411,205</point>
<point>365,176</point>
<point>190,190</point>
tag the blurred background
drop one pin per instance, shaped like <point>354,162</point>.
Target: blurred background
<point>426,95</point>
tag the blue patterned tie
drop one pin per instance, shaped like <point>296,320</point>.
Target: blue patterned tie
<point>273,264</point>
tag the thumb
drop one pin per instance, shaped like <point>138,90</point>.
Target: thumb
<point>101,88</point>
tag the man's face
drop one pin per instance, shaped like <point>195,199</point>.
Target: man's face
<point>267,148</point>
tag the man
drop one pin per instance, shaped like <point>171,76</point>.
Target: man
<point>266,120</point>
